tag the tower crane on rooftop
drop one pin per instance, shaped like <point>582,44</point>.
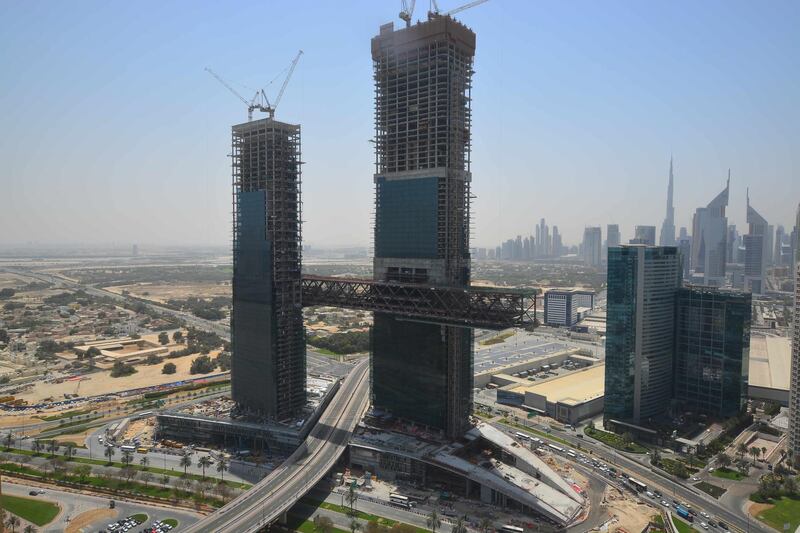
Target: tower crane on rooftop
<point>407,11</point>
<point>260,101</point>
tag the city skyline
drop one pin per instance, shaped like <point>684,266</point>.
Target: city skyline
<point>94,168</point>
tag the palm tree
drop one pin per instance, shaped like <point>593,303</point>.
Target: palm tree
<point>29,529</point>
<point>144,461</point>
<point>146,477</point>
<point>323,524</point>
<point>764,452</point>
<point>460,526</point>
<point>53,447</point>
<point>69,450</point>
<point>9,440</point>
<point>204,463</point>
<point>12,522</point>
<point>109,452</point>
<point>222,466</point>
<point>741,449</point>
<point>36,446</point>
<point>755,452</point>
<point>186,462</point>
<point>352,498</point>
<point>485,525</point>
<point>354,524</point>
<point>433,520</point>
<point>127,457</point>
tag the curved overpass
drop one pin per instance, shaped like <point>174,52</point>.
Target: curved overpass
<point>278,492</point>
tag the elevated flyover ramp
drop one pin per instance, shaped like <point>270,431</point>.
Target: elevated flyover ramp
<point>279,491</point>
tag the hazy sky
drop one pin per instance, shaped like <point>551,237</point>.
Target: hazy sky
<point>111,132</point>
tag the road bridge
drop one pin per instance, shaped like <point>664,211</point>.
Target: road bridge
<point>269,499</point>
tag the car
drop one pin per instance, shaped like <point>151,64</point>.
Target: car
<point>723,525</point>
<point>40,491</point>
<point>704,514</point>
<point>664,503</point>
<point>33,493</point>
<point>703,525</point>
<point>695,478</point>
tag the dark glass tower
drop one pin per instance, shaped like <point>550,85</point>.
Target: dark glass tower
<point>268,374</point>
<point>423,372</point>
<point>712,350</point>
<point>640,328</point>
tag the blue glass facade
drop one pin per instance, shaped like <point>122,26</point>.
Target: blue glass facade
<point>405,218</point>
<point>712,352</point>
<point>640,331</point>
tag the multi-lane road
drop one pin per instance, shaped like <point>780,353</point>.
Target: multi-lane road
<point>279,491</point>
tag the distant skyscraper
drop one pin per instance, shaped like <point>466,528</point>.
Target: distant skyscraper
<point>135,250</point>
<point>709,238</point>
<point>794,382</point>
<point>683,233</point>
<point>612,235</point>
<point>712,350</point>
<point>668,227</point>
<point>780,236</point>
<point>557,244</point>
<point>644,235</point>
<point>685,248</point>
<point>642,290</point>
<point>756,251</point>
<point>592,246</point>
<point>732,244</point>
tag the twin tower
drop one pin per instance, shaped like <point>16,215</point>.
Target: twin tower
<point>421,372</point>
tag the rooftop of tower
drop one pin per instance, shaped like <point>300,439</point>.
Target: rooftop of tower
<point>414,36</point>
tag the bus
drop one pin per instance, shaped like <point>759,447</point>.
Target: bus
<point>127,448</point>
<point>555,448</point>
<point>508,528</point>
<point>400,500</point>
<point>142,449</point>
<point>638,486</point>
<point>521,436</point>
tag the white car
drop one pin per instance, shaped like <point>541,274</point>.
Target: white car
<point>704,514</point>
<point>695,478</point>
<point>703,525</point>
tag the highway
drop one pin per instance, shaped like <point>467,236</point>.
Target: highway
<point>279,491</point>
<point>655,481</point>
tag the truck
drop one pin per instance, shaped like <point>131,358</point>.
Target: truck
<point>684,513</point>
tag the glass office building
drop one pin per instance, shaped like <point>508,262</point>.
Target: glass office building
<point>640,331</point>
<point>712,350</point>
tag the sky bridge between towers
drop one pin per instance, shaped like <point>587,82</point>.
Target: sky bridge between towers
<point>472,306</point>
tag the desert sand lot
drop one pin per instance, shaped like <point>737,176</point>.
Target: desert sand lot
<point>11,281</point>
<point>628,514</point>
<point>164,292</point>
<point>102,382</point>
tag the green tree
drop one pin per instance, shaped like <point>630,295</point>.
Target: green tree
<point>36,446</point>
<point>91,353</point>
<point>144,461</point>
<point>354,524</point>
<point>109,452</point>
<point>163,338</point>
<point>12,522</point>
<point>433,520</point>
<point>29,529</point>
<point>351,498</point>
<point>9,440</point>
<point>127,457</point>
<point>53,447</point>
<point>323,524</point>
<point>147,477</point>
<point>723,459</point>
<point>222,467</point>
<point>69,450</point>
<point>169,368</point>
<point>741,449</point>
<point>177,337</point>
<point>82,471</point>
<point>186,462</point>
<point>204,462</point>
<point>485,525</point>
<point>460,526</point>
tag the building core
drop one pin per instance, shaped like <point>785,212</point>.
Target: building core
<point>422,372</point>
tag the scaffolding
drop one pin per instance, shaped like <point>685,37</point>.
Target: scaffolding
<point>265,159</point>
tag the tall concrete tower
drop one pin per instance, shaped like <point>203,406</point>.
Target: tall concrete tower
<point>668,227</point>
<point>268,374</point>
<point>423,77</point>
<point>709,238</point>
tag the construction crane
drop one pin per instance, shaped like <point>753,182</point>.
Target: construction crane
<point>435,8</point>
<point>260,101</point>
<point>407,11</point>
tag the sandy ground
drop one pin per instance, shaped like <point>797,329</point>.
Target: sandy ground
<point>8,280</point>
<point>755,508</point>
<point>77,524</point>
<point>103,383</point>
<point>162,293</point>
<point>629,515</point>
<point>763,443</point>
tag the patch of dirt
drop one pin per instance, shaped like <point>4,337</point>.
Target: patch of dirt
<point>628,514</point>
<point>88,518</point>
<point>755,508</point>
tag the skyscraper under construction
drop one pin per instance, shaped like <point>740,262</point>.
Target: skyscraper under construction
<point>268,367</point>
<point>422,372</point>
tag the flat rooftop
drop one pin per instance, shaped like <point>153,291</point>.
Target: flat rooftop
<point>575,387</point>
<point>770,362</point>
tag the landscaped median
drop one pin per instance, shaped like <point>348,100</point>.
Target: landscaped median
<point>728,473</point>
<point>367,517</point>
<point>39,512</point>
<point>509,423</point>
<point>615,441</point>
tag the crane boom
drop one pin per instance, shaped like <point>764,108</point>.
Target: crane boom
<point>285,82</point>
<point>465,6</point>
<point>225,83</point>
